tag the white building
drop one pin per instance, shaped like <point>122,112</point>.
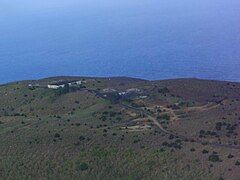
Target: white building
<point>33,85</point>
<point>79,82</point>
<point>52,86</point>
<point>62,84</point>
<point>109,90</point>
<point>122,93</point>
<point>142,97</point>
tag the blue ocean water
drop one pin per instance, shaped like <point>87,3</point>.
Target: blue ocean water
<point>151,39</point>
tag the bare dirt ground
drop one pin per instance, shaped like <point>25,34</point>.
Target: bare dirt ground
<point>203,108</point>
<point>193,140</point>
<point>137,127</point>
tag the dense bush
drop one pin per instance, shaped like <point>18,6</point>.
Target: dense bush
<point>81,138</point>
<point>163,90</point>
<point>214,158</point>
<point>237,163</point>
<point>66,89</point>
<point>82,166</point>
<point>56,135</point>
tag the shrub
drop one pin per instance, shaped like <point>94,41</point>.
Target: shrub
<point>81,138</point>
<point>163,90</point>
<point>118,118</point>
<point>83,166</point>
<point>205,151</point>
<point>56,135</point>
<point>218,126</point>
<point>171,136</point>
<point>192,150</point>
<point>112,114</point>
<point>105,113</point>
<point>237,163</point>
<point>214,158</point>
<point>136,141</point>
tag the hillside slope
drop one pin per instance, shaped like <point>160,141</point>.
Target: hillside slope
<point>120,128</point>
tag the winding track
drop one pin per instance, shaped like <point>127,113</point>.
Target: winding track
<point>162,129</point>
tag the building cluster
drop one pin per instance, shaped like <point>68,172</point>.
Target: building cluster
<point>128,91</point>
<point>62,84</point>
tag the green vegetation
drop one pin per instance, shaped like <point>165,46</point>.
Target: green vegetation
<point>214,158</point>
<point>83,132</point>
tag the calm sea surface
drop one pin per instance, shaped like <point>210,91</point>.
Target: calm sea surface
<point>151,39</point>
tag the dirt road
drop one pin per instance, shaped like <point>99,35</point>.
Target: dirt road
<point>184,138</point>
